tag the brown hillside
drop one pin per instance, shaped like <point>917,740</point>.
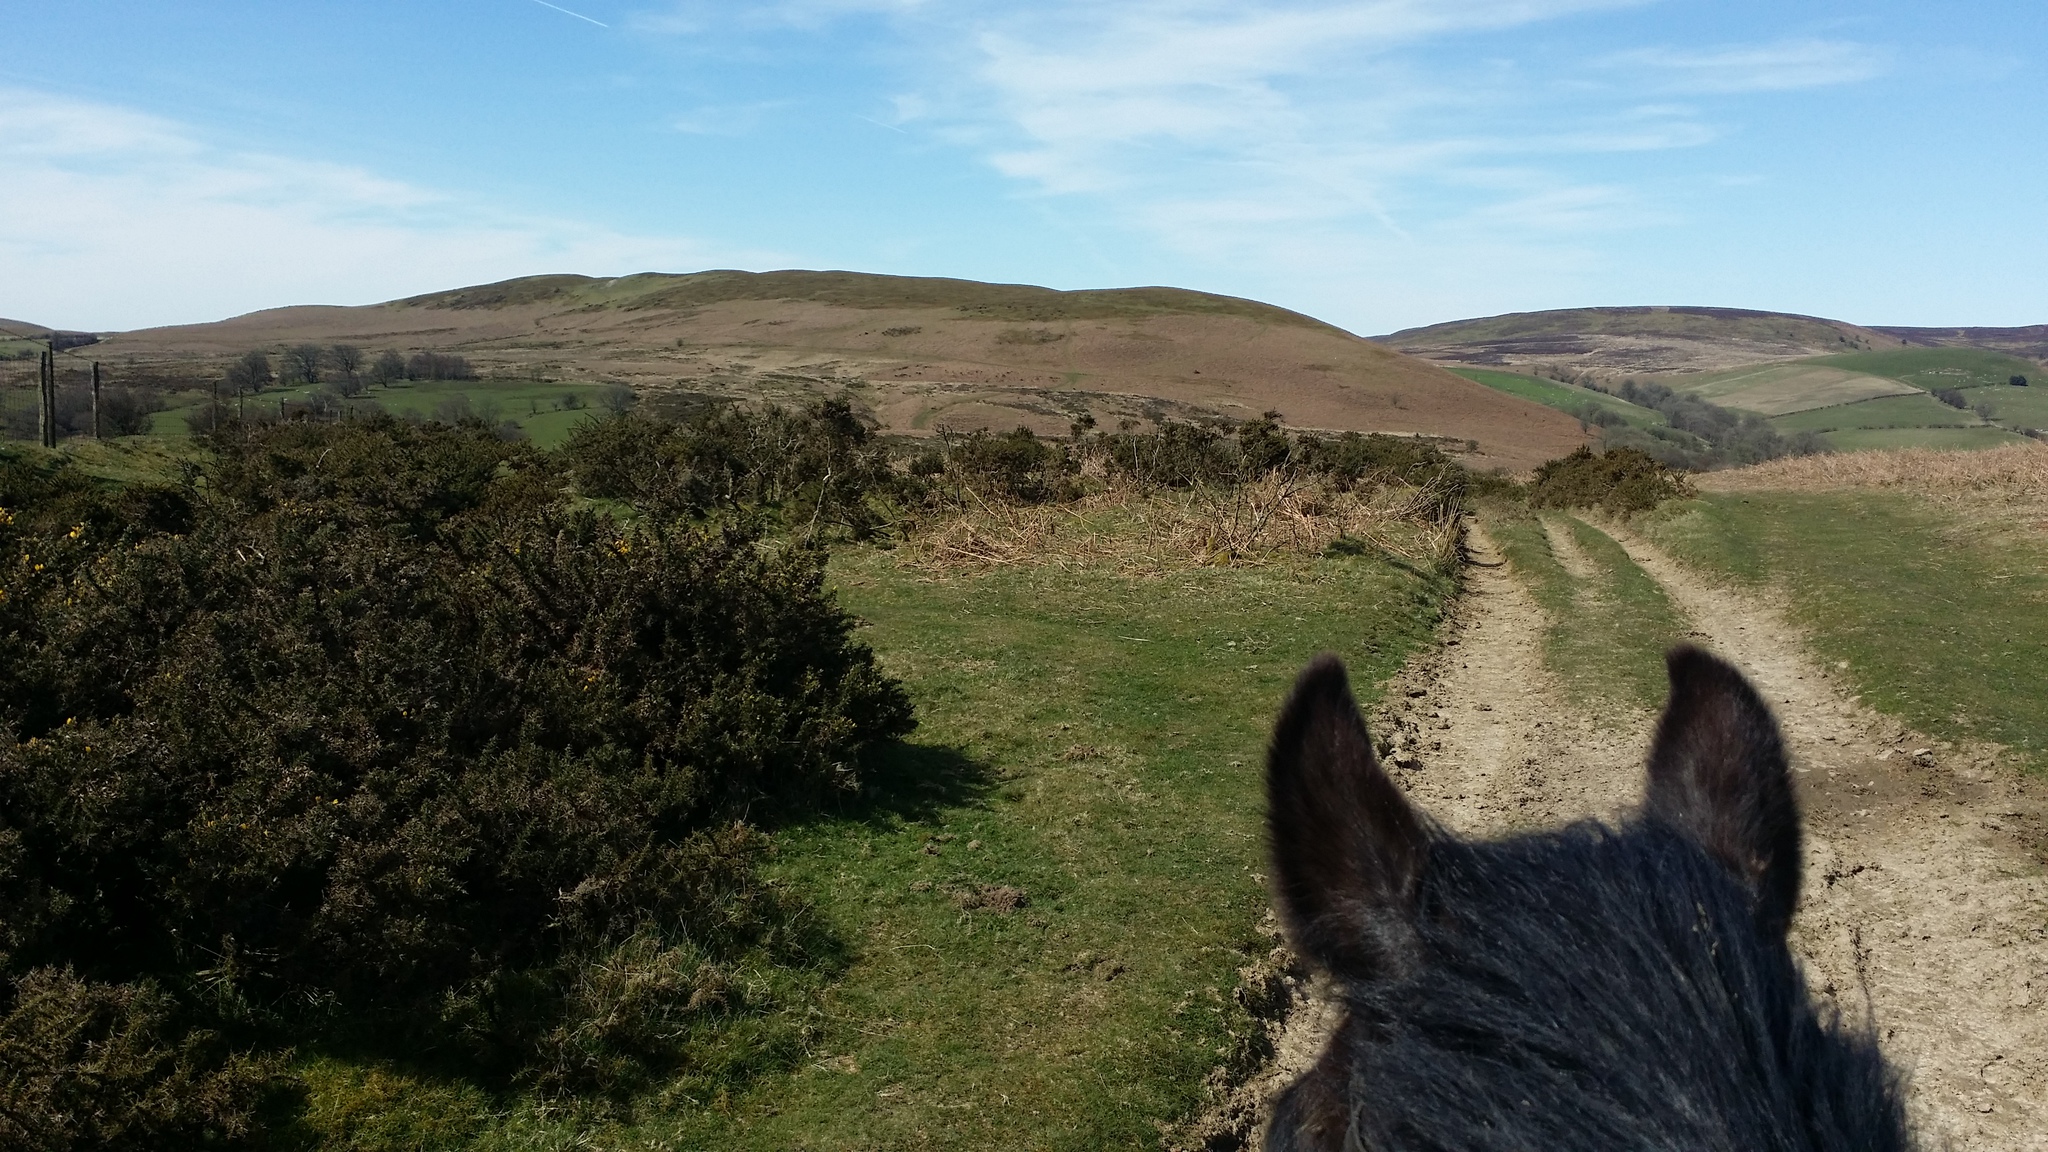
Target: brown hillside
<point>1626,341</point>
<point>919,354</point>
<point>2029,340</point>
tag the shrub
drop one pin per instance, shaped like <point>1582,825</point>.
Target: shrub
<point>1621,480</point>
<point>1953,397</point>
<point>91,1065</point>
<point>369,725</point>
<point>1174,455</point>
<point>2017,381</point>
<point>1016,466</point>
<point>815,470</point>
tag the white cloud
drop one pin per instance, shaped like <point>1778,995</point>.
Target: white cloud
<point>111,218</point>
<point>1777,67</point>
<point>1192,115</point>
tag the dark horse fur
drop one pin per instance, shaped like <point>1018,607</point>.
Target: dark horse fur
<point>1590,988</point>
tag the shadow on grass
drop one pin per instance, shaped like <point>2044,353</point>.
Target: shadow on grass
<point>915,782</point>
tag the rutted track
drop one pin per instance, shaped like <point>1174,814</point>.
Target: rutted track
<point>1924,902</point>
<point>1924,905</point>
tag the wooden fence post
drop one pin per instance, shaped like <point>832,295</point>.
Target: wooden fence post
<point>49,396</point>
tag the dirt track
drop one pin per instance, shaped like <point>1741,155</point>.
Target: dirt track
<point>1924,903</point>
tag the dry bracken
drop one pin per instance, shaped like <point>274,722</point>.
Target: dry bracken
<point>1139,532</point>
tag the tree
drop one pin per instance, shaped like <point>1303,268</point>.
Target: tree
<point>617,399</point>
<point>438,366</point>
<point>2018,381</point>
<point>302,363</point>
<point>389,366</point>
<point>1953,397</point>
<point>347,360</point>
<point>250,373</point>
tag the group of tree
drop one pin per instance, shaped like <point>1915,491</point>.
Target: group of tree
<point>1697,433</point>
<point>344,368</point>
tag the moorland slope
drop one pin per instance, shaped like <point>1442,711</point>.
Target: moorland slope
<point>919,354</point>
<point>2029,340</point>
<point>1620,341</point>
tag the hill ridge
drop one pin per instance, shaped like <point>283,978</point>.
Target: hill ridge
<point>920,355</point>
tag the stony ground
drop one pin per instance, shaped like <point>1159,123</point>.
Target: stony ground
<point>1924,904</point>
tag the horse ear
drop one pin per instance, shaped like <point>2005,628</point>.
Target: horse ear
<point>1718,773</point>
<point>1348,851</point>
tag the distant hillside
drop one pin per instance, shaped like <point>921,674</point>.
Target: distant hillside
<point>16,336</point>
<point>1629,341</point>
<point>2030,341</point>
<point>921,355</point>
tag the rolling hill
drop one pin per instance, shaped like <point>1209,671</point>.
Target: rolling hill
<point>1854,386</point>
<point>2030,341</point>
<point>1635,341</point>
<point>920,355</point>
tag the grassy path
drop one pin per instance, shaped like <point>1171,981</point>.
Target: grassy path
<point>1609,623</point>
<point>1048,904</point>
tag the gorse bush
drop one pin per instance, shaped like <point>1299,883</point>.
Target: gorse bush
<point>1017,467</point>
<point>813,470</point>
<point>99,1066</point>
<point>367,729</point>
<point>1182,455</point>
<point>1620,480</point>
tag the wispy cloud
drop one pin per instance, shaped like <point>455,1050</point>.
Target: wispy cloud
<point>1279,114</point>
<point>1780,66</point>
<point>112,218</point>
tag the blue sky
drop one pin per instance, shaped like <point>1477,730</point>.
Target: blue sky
<point>1377,163</point>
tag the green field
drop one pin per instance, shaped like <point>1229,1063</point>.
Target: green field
<point>1089,740</point>
<point>1564,397</point>
<point>1938,616</point>
<point>1843,397</point>
<point>1935,368</point>
<point>1916,411</point>
<point>2016,407</point>
<point>1859,439</point>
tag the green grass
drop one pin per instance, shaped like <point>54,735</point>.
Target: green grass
<point>1934,368</point>
<point>1921,411</point>
<point>2016,407</point>
<point>1943,621</point>
<point>1568,398</point>
<point>1609,629</point>
<point>1092,739</point>
<point>1858,439</point>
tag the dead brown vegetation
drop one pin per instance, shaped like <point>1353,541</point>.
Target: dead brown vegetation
<point>915,355</point>
<point>1276,519</point>
<point>2015,470</point>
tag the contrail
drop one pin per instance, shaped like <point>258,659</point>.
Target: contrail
<point>566,12</point>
